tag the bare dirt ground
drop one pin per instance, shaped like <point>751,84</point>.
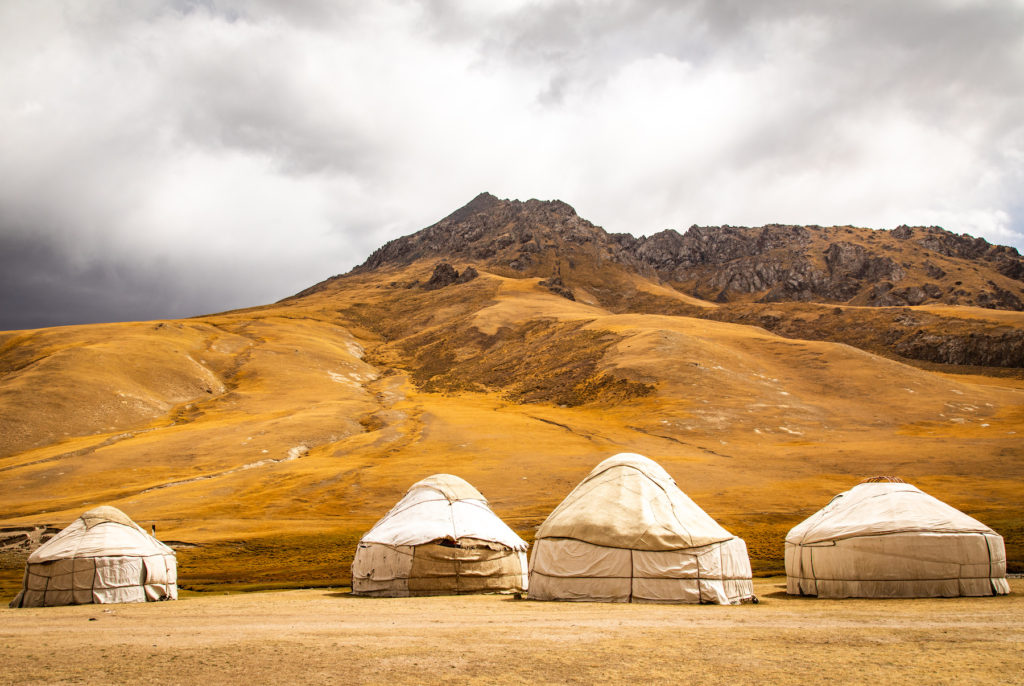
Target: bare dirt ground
<point>329,636</point>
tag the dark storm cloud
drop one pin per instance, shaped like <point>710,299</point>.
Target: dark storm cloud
<point>42,287</point>
<point>167,158</point>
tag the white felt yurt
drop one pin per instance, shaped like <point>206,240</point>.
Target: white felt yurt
<point>887,539</point>
<point>440,539</point>
<point>627,533</point>
<point>101,557</point>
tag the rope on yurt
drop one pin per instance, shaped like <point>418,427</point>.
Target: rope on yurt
<point>458,581</point>
<point>700,594</point>
<point>46,588</point>
<point>630,575</point>
<point>988,548</point>
<point>814,576</point>
<point>721,569</point>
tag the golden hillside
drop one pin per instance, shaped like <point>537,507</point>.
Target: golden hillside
<point>266,441</point>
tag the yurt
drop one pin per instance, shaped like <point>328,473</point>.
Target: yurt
<point>101,557</point>
<point>440,539</point>
<point>887,539</point>
<point>627,533</point>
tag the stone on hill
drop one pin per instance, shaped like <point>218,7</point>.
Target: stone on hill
<point>445,275</point>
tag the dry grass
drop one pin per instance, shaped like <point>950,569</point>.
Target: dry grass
<point>306,441</point>
<point>329,636</point>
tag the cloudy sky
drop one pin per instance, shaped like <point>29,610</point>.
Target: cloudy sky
<point>167,159</point>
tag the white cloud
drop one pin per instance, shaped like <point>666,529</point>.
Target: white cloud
<point>291,139</point>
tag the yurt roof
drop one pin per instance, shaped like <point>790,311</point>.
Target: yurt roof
<point>442,507</point>
<point>100,532</point>
<point>879,507</point>
<point>450,486</point>
<point>106,513</point>
<point>629,501</point>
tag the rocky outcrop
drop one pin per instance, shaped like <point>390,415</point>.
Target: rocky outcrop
<point>998,298</point>
<point>851,263</point>
<point>558,287</point>
<point>1004,259</point>
<point>937,337</point>
<point>446,275</point>
<point>1004,349</point>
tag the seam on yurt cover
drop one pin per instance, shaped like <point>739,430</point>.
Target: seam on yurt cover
<point>617,547</point>
<point>634,576</point>
<point>672,506</point>
<point>489,576</point>
<point>813,575</point>
<point>628,466</point>
<point>591,477</point>
<point>582,494</point>
<point>631,572</point>
<point>396,548</point>
<point>700,592</point>
<point>451,516</point>
<point>893,581</point>
<point>78,543</point>
<point>721,562</point>
<point>815,518</point>
<point>395,511</point>
<point>988,548</point>
<point>891,555</point>
<point>890,532</point>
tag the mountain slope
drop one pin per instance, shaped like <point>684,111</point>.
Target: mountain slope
<point>779,277</point>
<point>271,438</point>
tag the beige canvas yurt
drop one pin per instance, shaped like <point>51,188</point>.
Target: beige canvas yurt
<point>887,539</point>
<point>440,539</point>
<point>627,533</point>
<point>101,557</point>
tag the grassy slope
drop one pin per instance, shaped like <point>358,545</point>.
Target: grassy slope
<point>281,433</point>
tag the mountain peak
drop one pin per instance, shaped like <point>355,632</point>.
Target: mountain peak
<point>490,229</point>
<point>481,203</point>
<point>486,202</point>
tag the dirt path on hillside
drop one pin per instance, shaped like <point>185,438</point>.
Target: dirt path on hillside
<point>324,636</point>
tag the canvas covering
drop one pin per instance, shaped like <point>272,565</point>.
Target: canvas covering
<point>892,540</point>
<point>441,538</point>
<point>627,533</point>
<point>101,557</point>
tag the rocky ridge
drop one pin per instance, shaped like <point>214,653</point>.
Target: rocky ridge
<point>772,263</point>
